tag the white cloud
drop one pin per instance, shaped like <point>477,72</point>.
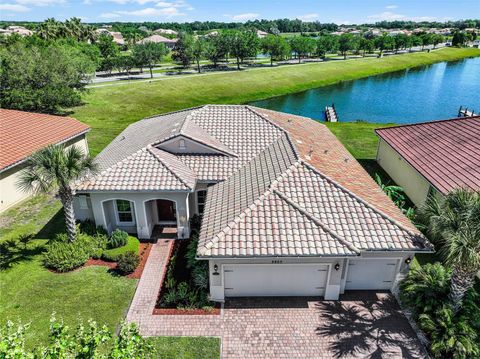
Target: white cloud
<point>243,17</point>
<point>14,8</point>
<point>109,15</point>
<point>87,2</point>
<point>308,17</point>
<point>391,16</point>
<point>391,6</point>
<point>40,2</point>
<point>387,15</point>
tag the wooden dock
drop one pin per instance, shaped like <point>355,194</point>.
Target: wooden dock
<point>331,113</point>
<point>465,112</point>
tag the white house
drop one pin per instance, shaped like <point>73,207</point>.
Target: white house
<point>23,133</point>
<point>287,211</point>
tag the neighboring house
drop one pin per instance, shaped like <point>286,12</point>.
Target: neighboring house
<point>261,34</point>
<point>22,31</point>
<point>169,43</point>
<point>23,133</point>
<point>117,36</point>
<point>287,211</point>
<point>166,31</point>
<point>432,157</point>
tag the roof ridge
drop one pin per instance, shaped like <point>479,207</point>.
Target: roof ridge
<point>477,117</point>
<point>149,148</point>
<point>361,200</point>
<point>171,112</point>
<point>317,221</point>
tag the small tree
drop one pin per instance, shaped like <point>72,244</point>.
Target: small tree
<point>366,45</point>
<point>437,39</point>
<point>243,44</point>
<point>183,50</point>
<point>56,167</point>
<point>384,42</point>
<point>199,49</point>
<point>345,44</point>
<point>275,46</point>
<point>326,44</point>
<point>148,55</point>
<point>302,46</point>
<point>453,225</point>
<point>216,48</point>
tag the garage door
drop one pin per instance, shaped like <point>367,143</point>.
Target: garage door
<point>371,273</point>
<point>275,280</point>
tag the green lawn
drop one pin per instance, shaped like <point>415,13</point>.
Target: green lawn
<point>108,110</point>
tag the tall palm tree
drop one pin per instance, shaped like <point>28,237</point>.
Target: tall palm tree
<point>56,167</point>
<point>453,224</point>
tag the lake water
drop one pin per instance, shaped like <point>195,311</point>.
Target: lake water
<point>421,94</point>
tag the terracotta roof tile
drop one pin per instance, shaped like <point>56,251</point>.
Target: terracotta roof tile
<point>23,133</point>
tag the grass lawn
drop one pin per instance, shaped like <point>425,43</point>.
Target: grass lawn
<point>108,110</point>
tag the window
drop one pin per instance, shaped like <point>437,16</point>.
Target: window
<point>124,212</point>
<point>201,197</point>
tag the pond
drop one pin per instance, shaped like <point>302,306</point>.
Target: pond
<point>415,95</point>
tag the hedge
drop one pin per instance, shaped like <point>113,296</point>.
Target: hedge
<point>112,255</point>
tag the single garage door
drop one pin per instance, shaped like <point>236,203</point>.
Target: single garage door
<point>258,280</point>
<point>371,273</point>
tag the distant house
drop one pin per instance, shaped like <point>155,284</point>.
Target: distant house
<point>166,31</point>
<point>23,133</point>
<point>286,210</point>
<point>261,34</point>
<point>117,36</point>
<point>169,43</point>
<point>22,31</point>
<point>432,157</point>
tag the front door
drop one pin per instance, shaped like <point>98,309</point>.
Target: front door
<point>166,211</point>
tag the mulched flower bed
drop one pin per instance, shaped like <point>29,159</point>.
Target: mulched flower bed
<point>173,311</point>
<point>181,274</point>
<point>144,252</point>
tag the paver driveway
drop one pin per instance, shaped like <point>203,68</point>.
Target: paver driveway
<point>360,325</point>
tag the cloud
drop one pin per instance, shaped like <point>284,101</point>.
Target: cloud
<point>14,8</point>
<point>391,16</point>
<point>242,17</point>
<point>391,6</point>
<point>40,2</point>
<point>308,17</point>
<point>109,15</point>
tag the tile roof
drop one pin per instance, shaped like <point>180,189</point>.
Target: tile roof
<point>268,201</point>
<point>148,169</point>
<point>23,133</point>
<point>446,153</point>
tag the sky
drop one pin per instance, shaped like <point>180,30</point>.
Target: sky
<point>338,11</point>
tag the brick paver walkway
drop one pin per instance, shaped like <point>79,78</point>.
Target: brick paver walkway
<point>360,325</point>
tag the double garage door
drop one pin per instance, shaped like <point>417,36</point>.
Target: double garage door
<point>254,280</point>
<point>258,280</point>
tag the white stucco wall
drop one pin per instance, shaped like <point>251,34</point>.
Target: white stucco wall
<point>336,279</point>
<point>10,194</point>
<point>415,185</point>
<point>104,215</point>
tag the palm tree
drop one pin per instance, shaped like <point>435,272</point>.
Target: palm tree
<point>453,224</point>
<point>56,167</point>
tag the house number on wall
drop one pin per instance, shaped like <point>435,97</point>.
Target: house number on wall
<point>276,261</point>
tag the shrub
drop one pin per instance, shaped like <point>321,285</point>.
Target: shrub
<point>200,275</point>
<point>88,227</point>
<point>64,256</point>
<point>93,245</point>
<point>12,341</point>
<point>425,288</point>
<point>118,238</point>
<point>128,262</point>
<point>132,245</point>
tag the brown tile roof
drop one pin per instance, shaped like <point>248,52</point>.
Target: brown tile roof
<point>23,133</point>
<point>446,153</point>
<point>318,146</point>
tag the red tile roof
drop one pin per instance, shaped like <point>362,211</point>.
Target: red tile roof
<point>446,153</point>
<point>23,133</point>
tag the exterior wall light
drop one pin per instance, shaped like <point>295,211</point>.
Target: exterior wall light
<point>337,266</point>
<point>408,260</point>
<point>215,269</point>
